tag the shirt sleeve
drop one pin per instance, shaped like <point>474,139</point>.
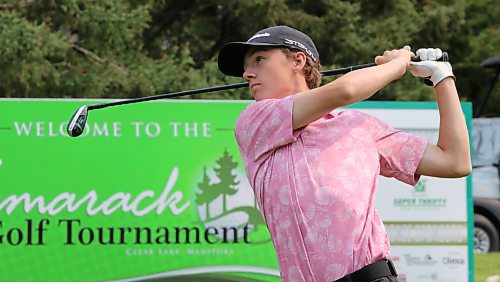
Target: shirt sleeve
<point>264,126</point>
<point>399,152</point>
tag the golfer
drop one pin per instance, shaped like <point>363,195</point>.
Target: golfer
<point>314,168</point>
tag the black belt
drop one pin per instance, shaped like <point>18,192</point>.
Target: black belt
<point>376,270</point>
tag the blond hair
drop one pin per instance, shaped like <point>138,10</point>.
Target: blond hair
<point>311,69</point>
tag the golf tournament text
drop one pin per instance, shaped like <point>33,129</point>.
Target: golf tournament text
<point>32,233</point>
<point>176,129</point>
<point>139,205</point>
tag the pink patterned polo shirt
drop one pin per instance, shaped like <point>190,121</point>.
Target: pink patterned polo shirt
<point>316,186</point>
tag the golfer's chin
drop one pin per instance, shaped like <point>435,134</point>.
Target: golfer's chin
<point>258,94</point>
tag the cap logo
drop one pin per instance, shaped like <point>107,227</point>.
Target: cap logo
<point>258,35</point>
<point>301,46</point>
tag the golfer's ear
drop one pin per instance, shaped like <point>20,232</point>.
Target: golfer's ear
<point>299,60</point>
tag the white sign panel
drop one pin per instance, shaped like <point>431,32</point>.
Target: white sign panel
<point>428,223</point>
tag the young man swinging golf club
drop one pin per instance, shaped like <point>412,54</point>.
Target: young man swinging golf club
<point>314,168</point>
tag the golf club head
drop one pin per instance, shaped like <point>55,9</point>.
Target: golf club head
<point>77,122</point>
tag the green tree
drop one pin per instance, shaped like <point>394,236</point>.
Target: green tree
<point>85,49</point>
<point>478,38</point>
<point>125,49</point>
<point>30,57</point>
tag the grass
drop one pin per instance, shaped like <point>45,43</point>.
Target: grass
<point>486,265</point>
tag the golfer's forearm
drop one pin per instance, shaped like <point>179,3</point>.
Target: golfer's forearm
<point>351,88</point>
<point>453,136</point>
<point>362,84</point>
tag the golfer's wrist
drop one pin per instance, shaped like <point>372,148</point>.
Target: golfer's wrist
<point>401,65</point>
<point>445,82</point>
<point>449,78</point>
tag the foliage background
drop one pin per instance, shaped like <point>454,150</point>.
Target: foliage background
<point>126,49</point>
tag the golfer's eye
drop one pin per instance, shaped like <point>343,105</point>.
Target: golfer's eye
<point>259,59</point>
<point>254,61</point>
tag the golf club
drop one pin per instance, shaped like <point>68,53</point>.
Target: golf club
<point>79,118</point>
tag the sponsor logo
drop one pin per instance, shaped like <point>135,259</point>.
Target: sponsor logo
<point>453,260</point>
<point>420,186</point>
<point>301,46</point>
<point>258,35</point>
<point>425,233</point>
<point>426,260</point>
<point>429,277</point>
<point>420,199</point>
<point>395,259</point>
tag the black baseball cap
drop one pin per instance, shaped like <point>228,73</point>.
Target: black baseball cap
<point>231,56</point>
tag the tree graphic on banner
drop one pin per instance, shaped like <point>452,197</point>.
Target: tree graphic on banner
<point>225,184</point>
<point>205,193</point>
<point>228,182</point>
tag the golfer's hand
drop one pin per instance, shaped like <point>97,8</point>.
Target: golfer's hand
<point>429,68</point>
<point>404,55</point>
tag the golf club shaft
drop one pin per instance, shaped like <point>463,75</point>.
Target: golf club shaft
<point>230,86</point>
<point>77,122</point>
<point>213,89</point>
<point>169,95</point>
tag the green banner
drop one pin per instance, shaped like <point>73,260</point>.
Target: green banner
<point>157,191</point>
<point>149,191</point>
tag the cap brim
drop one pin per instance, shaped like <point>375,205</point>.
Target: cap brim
<point>230,60</point>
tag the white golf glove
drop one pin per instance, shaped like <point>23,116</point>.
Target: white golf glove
<point>429,68</point>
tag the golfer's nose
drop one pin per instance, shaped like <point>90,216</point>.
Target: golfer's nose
<point>248,74</point>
